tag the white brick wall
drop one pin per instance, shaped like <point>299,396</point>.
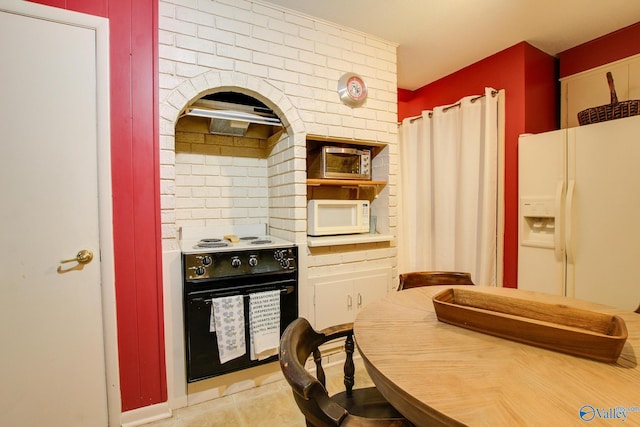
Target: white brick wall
<point>292,63</point>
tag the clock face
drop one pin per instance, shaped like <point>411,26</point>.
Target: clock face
<point>355,87</point>
<point>352,90</point>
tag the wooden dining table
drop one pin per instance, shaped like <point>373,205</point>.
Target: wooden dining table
<point>436,373</point>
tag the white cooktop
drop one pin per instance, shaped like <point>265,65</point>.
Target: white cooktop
<point>191,236</point>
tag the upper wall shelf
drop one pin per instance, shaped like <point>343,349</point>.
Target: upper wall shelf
<point>313,141</point>
<point>348,183</point>
<point>348,239</point>
<point>344,188</point>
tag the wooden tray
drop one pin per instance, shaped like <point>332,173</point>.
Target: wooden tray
<point>556,327</point>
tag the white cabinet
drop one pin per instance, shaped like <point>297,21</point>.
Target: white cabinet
<point>590,89</point>
<point>338,298</point>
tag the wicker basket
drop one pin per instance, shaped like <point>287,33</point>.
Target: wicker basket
<point>615,110</point>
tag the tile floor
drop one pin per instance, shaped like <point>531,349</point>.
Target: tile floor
<point>270,405</point>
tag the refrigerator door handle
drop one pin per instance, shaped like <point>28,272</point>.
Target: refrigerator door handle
<point>568,216</point>
<point>558,241</point>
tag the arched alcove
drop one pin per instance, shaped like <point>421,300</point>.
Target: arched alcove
<point>212,163</point>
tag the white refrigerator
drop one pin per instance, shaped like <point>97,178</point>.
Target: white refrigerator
<point>579,212</point>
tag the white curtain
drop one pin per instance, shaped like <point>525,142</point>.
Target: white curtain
<point>448,189</point>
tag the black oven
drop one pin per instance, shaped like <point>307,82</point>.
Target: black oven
<point>233,273</point>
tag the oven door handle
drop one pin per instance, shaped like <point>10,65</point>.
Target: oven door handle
<point>285,291</point>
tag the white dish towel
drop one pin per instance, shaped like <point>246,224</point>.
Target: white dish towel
<point>264,324</point>
<point>228,324</point>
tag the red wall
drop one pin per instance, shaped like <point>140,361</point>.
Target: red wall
<point>528,77</point>
<point>611,47</point>
<point>136,197</point>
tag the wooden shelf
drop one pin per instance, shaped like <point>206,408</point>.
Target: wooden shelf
<point>363,188</point>
<point>348,189</point>
<point>348,239</point>
<point>346,182</point>
<point>314,141</point>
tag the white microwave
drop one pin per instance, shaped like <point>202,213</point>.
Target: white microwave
<point>330,217</point>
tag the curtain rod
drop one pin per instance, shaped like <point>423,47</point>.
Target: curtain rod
<point>457,104</point>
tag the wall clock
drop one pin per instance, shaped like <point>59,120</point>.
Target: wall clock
<point>352,90</point>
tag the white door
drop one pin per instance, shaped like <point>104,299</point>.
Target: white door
<point>52,366</point>
<point>603,221</point>
<point>541,179</point>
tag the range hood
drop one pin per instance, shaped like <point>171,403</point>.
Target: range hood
<point>232,113</point>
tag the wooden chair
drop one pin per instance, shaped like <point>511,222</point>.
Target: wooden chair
<point>433,278</point>
<point>363,407</point>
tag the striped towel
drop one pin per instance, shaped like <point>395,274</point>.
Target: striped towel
<point>264,324</point>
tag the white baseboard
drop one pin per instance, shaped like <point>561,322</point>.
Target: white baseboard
<point>144,415</point>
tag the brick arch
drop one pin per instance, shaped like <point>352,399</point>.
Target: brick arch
<point>195,88</point>
<point>216,81</point>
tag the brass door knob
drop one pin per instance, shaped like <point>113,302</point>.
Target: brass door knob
<point>83,257</point>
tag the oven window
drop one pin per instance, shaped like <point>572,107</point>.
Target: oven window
<point>343,163</point>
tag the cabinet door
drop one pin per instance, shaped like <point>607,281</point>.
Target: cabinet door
<point>334,303</point>
<point>591,90</point>
<point>634,80</point>
<point>371,288</point>
<point>338,298</point>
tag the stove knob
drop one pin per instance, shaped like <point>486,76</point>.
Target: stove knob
<point>206,260</point>
<point>235,262</point>
<point>278,255</point>
<point>200,271</point>
<point>285,263</point>
<point>253,260</point>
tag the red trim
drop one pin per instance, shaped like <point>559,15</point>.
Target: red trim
<point>96,8</point>
<point>620,44</point>
<point>162,367</point>
<point>55,3</point>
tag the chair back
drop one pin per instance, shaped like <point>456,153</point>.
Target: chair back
<point>353,407</point>
<point>433,278</point>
